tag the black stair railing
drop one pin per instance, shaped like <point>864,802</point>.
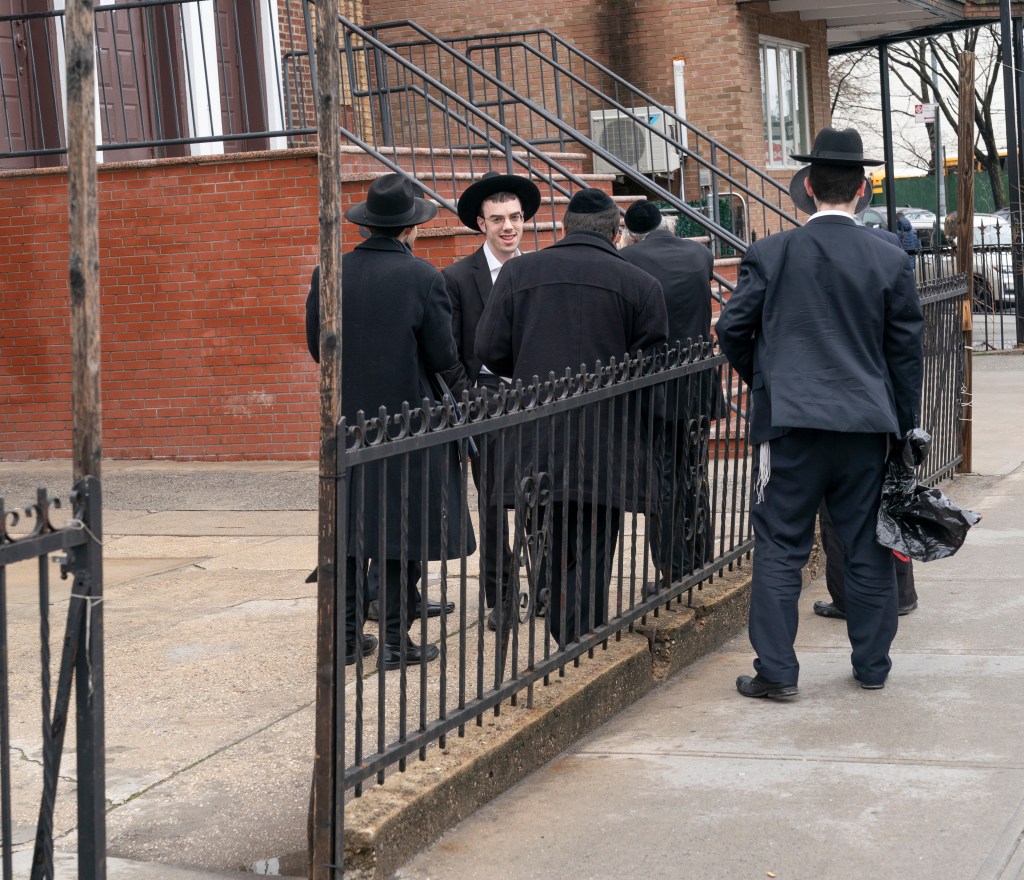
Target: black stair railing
<point>414,121</point>
<point>539,67</point>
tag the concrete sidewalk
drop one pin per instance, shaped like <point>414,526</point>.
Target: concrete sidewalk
<point>210,664</point>
<point>924,779</point>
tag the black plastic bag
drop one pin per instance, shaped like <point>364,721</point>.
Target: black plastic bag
<point>915,521</point>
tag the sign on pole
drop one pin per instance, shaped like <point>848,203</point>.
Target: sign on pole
<point>924,112</point>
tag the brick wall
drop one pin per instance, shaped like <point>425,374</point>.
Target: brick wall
<point>204,269</point>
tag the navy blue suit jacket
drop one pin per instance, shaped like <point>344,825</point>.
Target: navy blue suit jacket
<point>825,326</point>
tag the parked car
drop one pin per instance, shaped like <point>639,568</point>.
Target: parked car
<point>993,272</point>
<point>921,219</point>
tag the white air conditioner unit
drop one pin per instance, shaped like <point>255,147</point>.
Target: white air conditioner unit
<point>634,143</point>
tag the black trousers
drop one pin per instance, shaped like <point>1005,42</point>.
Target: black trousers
<point>582,545</point>
<point>495,551</point>
<point>835,564</point>
<point>683,539</point>
<point>845,470</point>
<point>391,606</point>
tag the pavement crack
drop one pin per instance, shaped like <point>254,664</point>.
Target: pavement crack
<point>30,759</point>
<point>230,745</point>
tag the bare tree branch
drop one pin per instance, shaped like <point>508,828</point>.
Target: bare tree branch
<point>911,66</point>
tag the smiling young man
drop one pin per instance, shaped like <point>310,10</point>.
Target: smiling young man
<point>499,206</point>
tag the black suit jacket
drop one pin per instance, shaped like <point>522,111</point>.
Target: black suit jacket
<point>825,325</point>
<point>684,269</point>
<point>469,284</point>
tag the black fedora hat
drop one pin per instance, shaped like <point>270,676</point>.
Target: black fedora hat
<point>477,193</point>
<point>843,148</point>
<point>805,203</point>
<point>392,201</point>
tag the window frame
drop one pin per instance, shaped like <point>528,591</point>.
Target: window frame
<point>797,97</point>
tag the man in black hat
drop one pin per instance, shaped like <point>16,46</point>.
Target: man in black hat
<point>575,302</point>
<point>825,326</point>
<point>396,335</point>
<point>683,540</point>
<point>497,205</point>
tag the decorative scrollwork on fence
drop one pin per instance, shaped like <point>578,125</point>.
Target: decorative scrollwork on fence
<point>38,513</point>
<point>432,416</point>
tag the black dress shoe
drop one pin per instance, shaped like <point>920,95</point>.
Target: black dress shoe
<point>433,609</point>
<point>869,685</point>
<point>903,612</point>
<point>755,686</point>
<point>369,646</point>
<point>828,609</point>
<point>391,656</point>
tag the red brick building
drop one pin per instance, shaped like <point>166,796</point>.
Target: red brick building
<point>208,183</point>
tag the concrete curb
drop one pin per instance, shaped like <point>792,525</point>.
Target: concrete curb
<point>386,826</point>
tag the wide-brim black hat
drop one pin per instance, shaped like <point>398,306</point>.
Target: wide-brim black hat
<point>392,200</point>
<point>843,148</point>
<point>477,193</point>
<point>805,203</point>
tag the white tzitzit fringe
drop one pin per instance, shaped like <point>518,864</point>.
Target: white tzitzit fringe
<point>764,471</point>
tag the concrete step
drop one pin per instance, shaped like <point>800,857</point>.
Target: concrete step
<point>472,162</point>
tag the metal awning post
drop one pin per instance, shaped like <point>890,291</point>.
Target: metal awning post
<point>1018,46</point>
<point>889,184</point>
<point>1012,155</point>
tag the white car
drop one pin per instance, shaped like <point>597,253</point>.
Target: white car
<point>993,267</point>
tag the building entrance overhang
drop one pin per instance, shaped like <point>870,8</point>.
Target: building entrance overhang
<point>861,24</point>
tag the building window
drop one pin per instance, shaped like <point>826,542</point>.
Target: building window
<point>784,101</point>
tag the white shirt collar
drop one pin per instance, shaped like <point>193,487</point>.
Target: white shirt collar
<point>492,262</point>
<point>832,213</point>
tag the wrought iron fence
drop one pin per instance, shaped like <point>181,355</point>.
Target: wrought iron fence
<point>994,296</point>
<point>26,537</point>
<point>942,393</point>
<point>587,481</point>
<point>579,475</point>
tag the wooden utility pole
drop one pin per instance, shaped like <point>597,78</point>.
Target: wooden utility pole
<point>86,434</point>
<point>328,851</point>
<point>84,240</point>
<point>965,241</point>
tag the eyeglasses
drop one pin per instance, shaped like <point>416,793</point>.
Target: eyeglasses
<point>498,220</point>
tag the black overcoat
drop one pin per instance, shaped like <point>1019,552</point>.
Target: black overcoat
<point>574,303</point>
<point>825,326</point>
<point>396,335</point>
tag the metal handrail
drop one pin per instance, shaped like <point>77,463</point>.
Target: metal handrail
<point>508,39</point>
<point>714,228</point>
<point>559,70</point>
